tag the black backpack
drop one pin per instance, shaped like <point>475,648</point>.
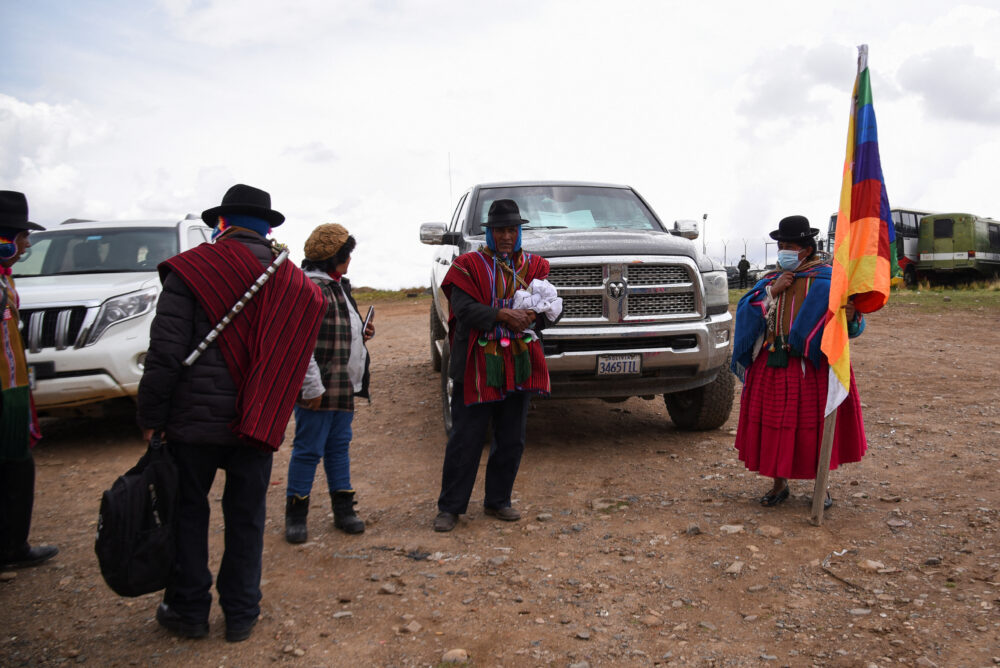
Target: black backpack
<point>135,530</point>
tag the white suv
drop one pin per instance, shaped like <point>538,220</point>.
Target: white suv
<point>88,295</point>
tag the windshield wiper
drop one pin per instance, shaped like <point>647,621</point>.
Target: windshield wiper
<point>545,227</point>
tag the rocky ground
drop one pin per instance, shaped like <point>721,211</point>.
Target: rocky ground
<point>640,545</point>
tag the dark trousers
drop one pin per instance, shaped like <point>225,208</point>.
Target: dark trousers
<point>248,472</point>
<point>17,496</point>
<point>465,447</point>
<point>743,280</point>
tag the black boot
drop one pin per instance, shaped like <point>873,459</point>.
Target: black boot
<point>344,517</point>
<point>296,512</point>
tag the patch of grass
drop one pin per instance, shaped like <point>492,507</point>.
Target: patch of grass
<point>369,295</point>
<point>974,296</point>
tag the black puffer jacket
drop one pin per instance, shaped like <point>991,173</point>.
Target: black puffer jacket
<point>195,404</point>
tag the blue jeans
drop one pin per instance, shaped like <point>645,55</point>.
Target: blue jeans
<point>320,434</point>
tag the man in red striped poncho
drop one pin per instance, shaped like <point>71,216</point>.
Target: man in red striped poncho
<point>230,408</point>
<point>494,363</point>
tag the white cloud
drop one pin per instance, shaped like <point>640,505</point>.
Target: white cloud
<point>350,111</point>
<point>955,84</point>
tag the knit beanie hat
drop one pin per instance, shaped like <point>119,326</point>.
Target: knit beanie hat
<point>325,241</point>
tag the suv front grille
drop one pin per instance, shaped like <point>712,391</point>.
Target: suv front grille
<point>52,327</point>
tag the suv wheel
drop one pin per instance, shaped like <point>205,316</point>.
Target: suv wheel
<point>706,407</point>
<point>437,334</point>
<point>447,385</point>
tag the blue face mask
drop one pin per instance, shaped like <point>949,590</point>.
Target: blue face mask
<point>788,260</point>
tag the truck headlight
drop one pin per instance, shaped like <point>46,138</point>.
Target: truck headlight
<point>121,308</point>
<point>716,292</point>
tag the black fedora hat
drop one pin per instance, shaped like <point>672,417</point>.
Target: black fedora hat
<point>245,200</point>
<point>504,213</point>
<point>794,228</point>
<point>14,212</point>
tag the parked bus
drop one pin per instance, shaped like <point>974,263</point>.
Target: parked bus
<point>959,245</point>
<point>907,225</point>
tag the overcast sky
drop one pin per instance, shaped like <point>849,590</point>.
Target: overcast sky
<point>378,114</point>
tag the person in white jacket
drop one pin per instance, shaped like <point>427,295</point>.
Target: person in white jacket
<point>337,373</point>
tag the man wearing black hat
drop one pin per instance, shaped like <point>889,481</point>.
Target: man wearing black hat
<point>18,424</point>
<point>494,365</point>
<point>229,408</point>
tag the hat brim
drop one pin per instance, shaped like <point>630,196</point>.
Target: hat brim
<point>211,216</point>
<point>21,225</point>
<point>776,235</point>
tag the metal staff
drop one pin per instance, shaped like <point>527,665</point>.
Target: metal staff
<point>237,307</point>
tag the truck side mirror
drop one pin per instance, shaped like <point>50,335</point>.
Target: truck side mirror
<point>432,233</point>
<point>685,228</point>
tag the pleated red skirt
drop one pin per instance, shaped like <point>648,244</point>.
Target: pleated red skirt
<point>781,420</point>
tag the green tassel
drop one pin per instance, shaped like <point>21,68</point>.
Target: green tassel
<point>522,367</point>
<point>494,370</point>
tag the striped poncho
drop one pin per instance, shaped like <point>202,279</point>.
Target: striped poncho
<point>497,361</point>
<point>268,345</point>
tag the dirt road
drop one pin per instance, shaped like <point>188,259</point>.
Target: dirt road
<point>640,545</point>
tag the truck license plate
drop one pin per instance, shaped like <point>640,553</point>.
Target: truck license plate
<point>627,364</point>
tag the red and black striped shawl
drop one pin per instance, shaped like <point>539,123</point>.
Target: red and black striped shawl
<point>474,274</point>
<point>268,344</point>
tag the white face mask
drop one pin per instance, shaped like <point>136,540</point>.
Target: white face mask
<point>788,259</point>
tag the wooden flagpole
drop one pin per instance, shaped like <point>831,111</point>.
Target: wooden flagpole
<point>823,468</point>
<point>830,422</point>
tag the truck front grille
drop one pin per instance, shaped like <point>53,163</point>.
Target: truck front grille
<point>583,306</point>
<point>52,327</point>
<point>657,275</point>
<point>583,277</point>
<point>607,291</point>
<point>659,304</point>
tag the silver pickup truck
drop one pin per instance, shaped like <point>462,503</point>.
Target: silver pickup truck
<point>644,313</point>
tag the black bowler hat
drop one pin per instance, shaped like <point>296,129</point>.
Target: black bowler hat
<point>14,212</point>
<point>245,200</point>
<point>794,228</point>
<point>504,213</point>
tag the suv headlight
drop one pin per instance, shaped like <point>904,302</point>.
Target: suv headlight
<point>121,308</point>
<point>716,292</point>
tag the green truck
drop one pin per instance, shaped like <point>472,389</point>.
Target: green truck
<point>958,246</point>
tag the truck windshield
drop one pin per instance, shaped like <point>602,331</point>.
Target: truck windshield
<point>96,251</point>
<point>569,207</point>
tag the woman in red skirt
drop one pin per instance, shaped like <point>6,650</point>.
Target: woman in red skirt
<point>776,353</point>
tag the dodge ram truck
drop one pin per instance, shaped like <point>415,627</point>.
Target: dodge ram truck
<point>644,312</point>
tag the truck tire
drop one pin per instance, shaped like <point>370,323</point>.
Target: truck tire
<point>706,407</point>
<point>910,276</point>
<point>446,388</point>
<point>437,333</point>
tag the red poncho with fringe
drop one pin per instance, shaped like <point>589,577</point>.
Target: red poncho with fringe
<point>268,344</point>
<point>491,369</point>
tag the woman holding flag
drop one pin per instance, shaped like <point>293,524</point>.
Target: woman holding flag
<point>776,353</point>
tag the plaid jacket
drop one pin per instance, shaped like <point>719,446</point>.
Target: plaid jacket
<point>333,346</point>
